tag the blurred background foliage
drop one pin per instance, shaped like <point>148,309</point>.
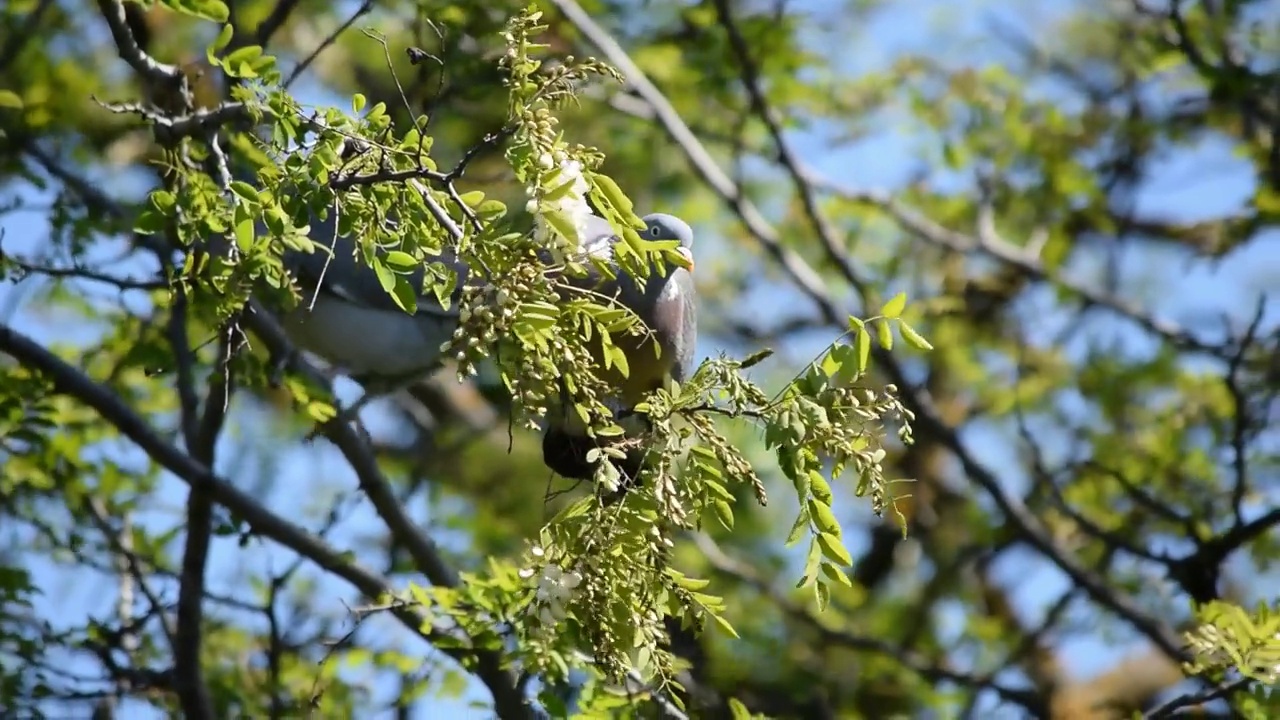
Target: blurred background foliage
<point>1080,197</point>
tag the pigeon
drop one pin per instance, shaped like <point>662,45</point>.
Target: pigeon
<point>350,321</point>
<point>667,304</point>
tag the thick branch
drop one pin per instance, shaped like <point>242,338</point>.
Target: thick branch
<point>147,67</point>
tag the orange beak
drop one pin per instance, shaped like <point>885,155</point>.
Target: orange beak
<point>687,254</point>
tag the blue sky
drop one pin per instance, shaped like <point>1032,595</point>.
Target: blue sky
<point>1192,185</point>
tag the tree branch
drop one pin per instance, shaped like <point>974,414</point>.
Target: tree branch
<point>74,383</point>
<point>147,67</point>
<point>11,48</point>
<point>923,667</point>
<point>809,282</point>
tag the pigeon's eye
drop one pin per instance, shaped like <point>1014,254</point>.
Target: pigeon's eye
<point>655,231</point>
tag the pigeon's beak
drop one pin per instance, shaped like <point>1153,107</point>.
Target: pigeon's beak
<point>687,254</point>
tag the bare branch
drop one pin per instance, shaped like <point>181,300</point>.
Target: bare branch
<point>1171,708</point>
<point>133,564</point>
<point>988,243</point>
<point>120,283</point>
<point>364,9</point>
<point>801,273</point>
<point>161,74</point>
<point>274,21</point>
<point>922,666</point>
<point>751,80</point>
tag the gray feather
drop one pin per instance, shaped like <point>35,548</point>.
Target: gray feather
<point>353,323</point>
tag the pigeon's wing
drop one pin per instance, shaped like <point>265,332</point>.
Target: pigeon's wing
<point>347,318</point>
<point>675,320</point>
<point>669,312</point>
<point>336,270</point>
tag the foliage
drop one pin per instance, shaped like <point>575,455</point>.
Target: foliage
<point>1043,407</point>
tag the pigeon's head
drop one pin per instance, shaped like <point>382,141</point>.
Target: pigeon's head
<point>661,226</point>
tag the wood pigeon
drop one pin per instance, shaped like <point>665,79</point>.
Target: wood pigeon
<point>354,325</point>
<point>667,304</point>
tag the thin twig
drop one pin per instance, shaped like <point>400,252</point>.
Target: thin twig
<point>1171,708</point>
<point>364,9</point>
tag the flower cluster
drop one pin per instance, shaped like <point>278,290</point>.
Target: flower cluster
<point>567,197</point>
<point>555,589</point>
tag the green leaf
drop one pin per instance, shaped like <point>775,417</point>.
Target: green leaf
<point>739,711</point>
<point>149,222</point>
<point>610,190</point>
<point>811,562</point>
<point>223,39</point>
<point>214,10</point>
<point>834,549</point>
<point>864,349</point>
<point>895,306</point>
<point>686,582</point>
<point>490,210</point>
<point>386,278</point>
<point>823,593</point>
<point>400,260</point>
<point>885,334</point>
<point>798,527</point>
<point>576,509</point>
<point>357,102</point>
<point>724,513</point>
<point>163,200</point>
<point>912,338</point>
<point>244,234</point>
<point>472,199</point>
<point>619,359</point>
<point>559,192</point>
<point>243,55</point>
<point>321,411</point>
<point>538,320</point>
<point>10,99</point>
<point>404,295</point>
<point>245,191</point>
<point>711,486</point>
<point>725,624</point>
<point>644,658</point>
<point>819,487</point>
<point>446,281</point>
<point>453,684</point>
<point>835,573</point>
<point>823,518</point>
<point>561,223</point>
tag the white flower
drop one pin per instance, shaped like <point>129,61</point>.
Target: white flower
<point>1276,669</point>
<point>571,203</point>
<point>555,588</point>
